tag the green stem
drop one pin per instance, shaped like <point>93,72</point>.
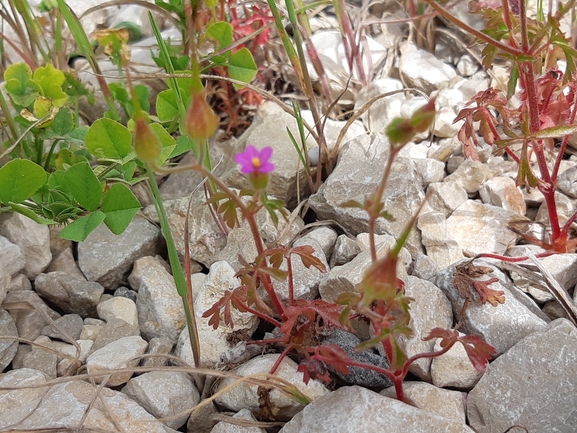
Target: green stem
<point>175,265</point>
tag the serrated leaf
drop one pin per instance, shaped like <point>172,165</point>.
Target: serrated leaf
<point>107,138</point>
<point>241,66</point>
<point>554,132</point>
<point>19,179</point>
<point>120,205</point>
<point>79,230</point>
<point>84,185</point>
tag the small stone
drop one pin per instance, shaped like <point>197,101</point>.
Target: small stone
<point>454,368</point>
<point>30,322</point>
<point>353,409</point>
<point>64,262</point>
<point>467,66</point>
<point>106,258</point>
<point>437,240</point>
<point>470,175</point>
<point>424,267</point>
<point>533,384</point>
<point>41,360</point>
<point>243,414</point>
<point>157,347</point>
<point>8,347</point>
<point>384,110</point>
<point>164,394</point>
<point>113,356</point>
<point>71,324</point>
<point>325,236</point>
<point>431,170</point>
<point>430,309</point>
<point>444,126</point>
<point>358,171</point>
<point>5,281</point>
<point>160,309</point>
<point>502,192</point>
<point>490,225</point>
<point>443,402</point>
<point>118,308</point>
<point>125,292</point>
<point>69,294</point>
<point>32,238</point>
<point>26,408</point>
<point>357,375</point>
<point>12,260</point>
<point>215,342</point>
<point>567,182</point>
<point>20,282</point>
<point>503,325</point>
<point>445,197</point>
<point>345,250</point>
<point>423,70</point>
<point>113,330</point>
<point>245,396</point>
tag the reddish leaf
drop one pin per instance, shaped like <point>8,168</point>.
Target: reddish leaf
<point>313,369</point>
<point>478,351</point>
<point>447,336</point>
<point>306,254</point>
<point>237,299</point>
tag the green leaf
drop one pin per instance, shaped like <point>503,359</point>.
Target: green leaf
<point>79,230</point>
<point>51,80</point>
<point>241,66</point>
<point>20,86</point>
<point>120,205</point>
<point>19,179</point>
<point>168,142</point>
<point>84,185</point>
<point>107,138</point>
<point>183,145</point>
<point>31,214</point>
<point>63,123</point>
<point>166,106</point>
<point>220,32</point>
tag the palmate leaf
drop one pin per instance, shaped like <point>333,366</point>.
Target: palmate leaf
<point>305,252</point>
<point>236,298</point>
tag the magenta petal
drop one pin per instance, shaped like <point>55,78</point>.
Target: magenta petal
<point>267,167</point>
<point>265,154</point>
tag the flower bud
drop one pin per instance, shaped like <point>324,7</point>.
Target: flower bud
<point>146,143</point>
<point>200,122</point>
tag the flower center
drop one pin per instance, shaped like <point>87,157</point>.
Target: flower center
<point>255,162</point>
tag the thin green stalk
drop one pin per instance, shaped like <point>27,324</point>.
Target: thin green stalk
<point>177,271</point>
<point>84,45</point>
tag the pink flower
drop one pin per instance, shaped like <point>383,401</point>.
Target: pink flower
<point>255,161</point>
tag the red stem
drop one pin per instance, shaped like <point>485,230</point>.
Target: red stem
<point>290,280</point>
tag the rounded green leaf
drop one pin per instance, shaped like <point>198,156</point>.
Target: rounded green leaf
<point>241,66</point>
<point>82,227</point>
<point>84,185</point>
<point>19,179</point>
<point>167,140</point>
<point>120,205</point>
<point>107,138</point>
<point>166,106</point>
<point>221,32</point>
